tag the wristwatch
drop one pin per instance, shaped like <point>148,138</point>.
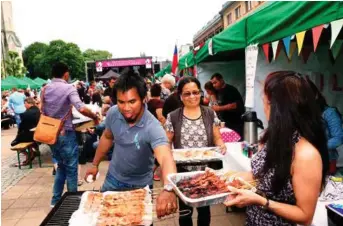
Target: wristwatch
<point>168,187</point>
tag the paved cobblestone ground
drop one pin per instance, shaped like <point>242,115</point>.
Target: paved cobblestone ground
<point>10,174</point>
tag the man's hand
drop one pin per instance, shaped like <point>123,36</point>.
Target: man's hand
<point>216,108</point>
<point>166,204</point>
<point>92,171</point>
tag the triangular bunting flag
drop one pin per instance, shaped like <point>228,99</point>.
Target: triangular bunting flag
<point>275,47</point>
<point>265,48</point>
<point>292,50</point>
<point>336,27</point>
<point>210,47</point>
<point>306,52</point>
<point>335,50</point>
<point>300,40</point>
<point>287,42</point>
<point>316,32</point>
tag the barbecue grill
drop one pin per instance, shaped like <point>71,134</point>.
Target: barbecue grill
<point>69,203</point>
<point>61,213</point>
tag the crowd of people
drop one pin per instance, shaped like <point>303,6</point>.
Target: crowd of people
<point>137,123</point>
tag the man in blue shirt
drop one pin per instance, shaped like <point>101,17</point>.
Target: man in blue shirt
<point>138,136</point>
<point>16,103</point>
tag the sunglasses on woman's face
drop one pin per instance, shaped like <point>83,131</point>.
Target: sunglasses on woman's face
<point>188,94</point>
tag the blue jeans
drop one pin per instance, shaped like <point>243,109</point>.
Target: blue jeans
<point>111,184</point>
<point>66,153</point>
<point>17,119</point>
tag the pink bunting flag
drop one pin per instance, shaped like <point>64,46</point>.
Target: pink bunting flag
<point>316,32</point>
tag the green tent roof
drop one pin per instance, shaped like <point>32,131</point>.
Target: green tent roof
<point>272,21</point>
<point>18,83</point>
<point>33,84</point>
<point>164,71</point>
<point>39,81</point>
<point>5,85</point>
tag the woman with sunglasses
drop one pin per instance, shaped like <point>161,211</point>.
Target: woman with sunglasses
<point>193,126</point>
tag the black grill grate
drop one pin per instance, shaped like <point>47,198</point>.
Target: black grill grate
<point>61,213</point>
<point>69,203</point>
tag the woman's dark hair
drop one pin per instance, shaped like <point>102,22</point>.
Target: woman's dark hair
<point>130,80</point>
<point>87,99</point>
<point>293,109</point>
<point>185,80</point>
<point>320,99</point>
<point>209,86</point>
<point>96,98</point>
<point>155,90</point>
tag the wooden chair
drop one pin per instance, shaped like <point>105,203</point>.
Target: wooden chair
<point>27,148</point>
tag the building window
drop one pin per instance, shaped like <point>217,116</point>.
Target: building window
<point>238,12</point>
<point>229,18</point>
<point>248,6</point>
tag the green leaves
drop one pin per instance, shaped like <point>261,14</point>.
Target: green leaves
<point>39,58</point>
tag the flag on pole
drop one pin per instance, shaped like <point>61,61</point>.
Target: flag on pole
<point>175,61</point>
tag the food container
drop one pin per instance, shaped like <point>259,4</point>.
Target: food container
<point>200,156</point>
<point>80,217</point>
<point>199,202</point>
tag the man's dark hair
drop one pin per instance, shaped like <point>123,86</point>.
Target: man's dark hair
<point>4,98</point>
<point>59,69</point>
<point>130,80</point>
<point>217,76</point>
<point>30,100</point>
<point>155,90</point>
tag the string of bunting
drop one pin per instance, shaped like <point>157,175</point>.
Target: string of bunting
<point>290,46</point>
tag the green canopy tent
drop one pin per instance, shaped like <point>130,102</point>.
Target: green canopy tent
<point>18,83</point>
<point>32,84</point>
<point>164,71</point>
<point>282,19</point>
<point>6,85</point>
<point>39,81</point>
<point>272,21</point>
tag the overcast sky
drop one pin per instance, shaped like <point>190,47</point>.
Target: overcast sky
<point>123,27</point>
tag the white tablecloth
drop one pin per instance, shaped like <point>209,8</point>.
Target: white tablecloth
<point>236,161</point>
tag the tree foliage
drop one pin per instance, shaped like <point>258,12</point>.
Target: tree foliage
<point>14,65</point>
<point>32,55</point>
<point>91,54</point>
<point>40,58</point>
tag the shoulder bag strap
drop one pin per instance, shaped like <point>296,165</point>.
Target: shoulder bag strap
<point>42,101</point>
<point>68,114</point>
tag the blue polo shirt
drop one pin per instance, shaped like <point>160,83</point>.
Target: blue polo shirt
<point>133,158</point>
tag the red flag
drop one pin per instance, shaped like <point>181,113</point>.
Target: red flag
<point>266,51</point>
<point>316,32</point>
<point>175,61</point>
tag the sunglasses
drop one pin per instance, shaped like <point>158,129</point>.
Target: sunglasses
<point>188,94</point>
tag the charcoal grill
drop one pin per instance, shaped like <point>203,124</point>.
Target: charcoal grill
<point>69,203</point>
<point>61,213</point>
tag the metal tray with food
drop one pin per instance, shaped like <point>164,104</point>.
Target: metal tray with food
<point>191,155</point>
<point>205,188</point>
<point>114,208</point>
<point>204,197</point>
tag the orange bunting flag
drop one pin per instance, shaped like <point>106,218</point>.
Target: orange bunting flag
<point>265,48</point>
<point>300,40</point>
<point>316,32</point>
